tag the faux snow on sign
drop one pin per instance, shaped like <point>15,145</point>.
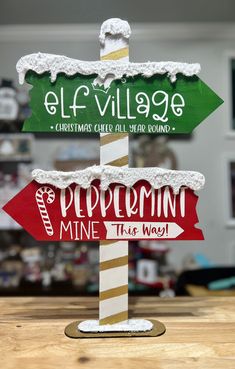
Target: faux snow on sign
<point>157,177</point>
<point>70,95</point>
<point>108,203</point>
<point>56,64</point>
<point>114,27</point>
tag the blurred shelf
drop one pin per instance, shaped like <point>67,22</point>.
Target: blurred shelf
<point>68,289</point>
<point>69,165</point>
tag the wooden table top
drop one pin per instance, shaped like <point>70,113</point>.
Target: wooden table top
<point>200,334</point>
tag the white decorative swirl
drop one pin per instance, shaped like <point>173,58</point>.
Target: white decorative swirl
<point>45,190</point>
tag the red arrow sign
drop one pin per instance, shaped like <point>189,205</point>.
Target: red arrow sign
<point>75,213</point>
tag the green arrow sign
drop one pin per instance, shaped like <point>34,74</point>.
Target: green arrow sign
<point>136,105</point>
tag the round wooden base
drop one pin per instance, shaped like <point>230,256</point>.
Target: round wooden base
<point>72,331</point>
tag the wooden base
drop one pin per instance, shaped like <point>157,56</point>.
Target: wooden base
<point>72,331</point>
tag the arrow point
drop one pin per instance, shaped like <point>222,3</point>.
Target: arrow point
<point>178,230</point>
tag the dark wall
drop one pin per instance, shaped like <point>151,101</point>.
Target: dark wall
<point>96,11</point>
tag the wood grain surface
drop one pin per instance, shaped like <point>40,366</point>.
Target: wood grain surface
<point>200,334</point>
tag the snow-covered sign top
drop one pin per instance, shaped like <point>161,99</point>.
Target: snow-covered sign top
<point>55,64</point>
<point>114,27</point>
<point>157,177</point>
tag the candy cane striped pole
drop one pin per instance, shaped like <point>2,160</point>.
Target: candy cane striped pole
<point>44,190</point>
<point>113,275</point>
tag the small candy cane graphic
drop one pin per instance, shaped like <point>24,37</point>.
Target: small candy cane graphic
<point>42,208</point>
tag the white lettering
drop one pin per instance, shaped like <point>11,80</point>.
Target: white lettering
<point>75,107</point>
<point>51,105</point>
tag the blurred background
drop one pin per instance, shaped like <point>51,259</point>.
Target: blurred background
<point>183,30</point>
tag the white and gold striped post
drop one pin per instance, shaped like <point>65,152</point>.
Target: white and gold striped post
<point>113,276</point>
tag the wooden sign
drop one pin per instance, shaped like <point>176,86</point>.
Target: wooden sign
<point>136,104</point>
<point>120,212</point>
<point>106,202</point>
